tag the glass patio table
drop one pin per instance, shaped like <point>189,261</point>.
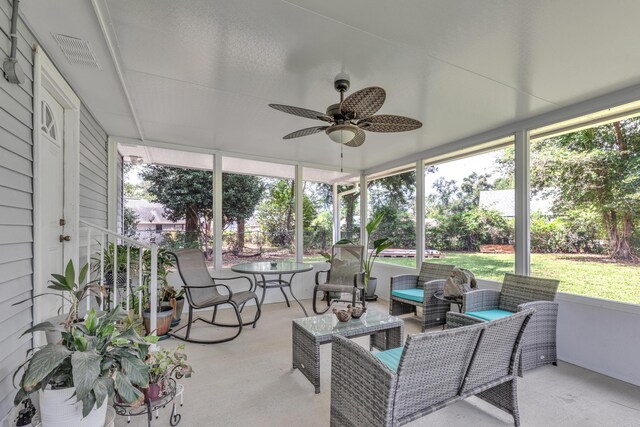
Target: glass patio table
<point>385,332</point>
<point>261,270</point>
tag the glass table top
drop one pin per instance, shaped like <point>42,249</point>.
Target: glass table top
<point>328,324</point>
<point>266,267</point>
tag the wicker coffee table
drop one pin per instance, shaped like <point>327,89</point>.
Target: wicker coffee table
<point>310,333</point>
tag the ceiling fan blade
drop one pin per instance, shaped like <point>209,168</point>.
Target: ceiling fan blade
<point>305,132</point>
<point>302,112</point>
<point>389,123</point>
<point>363,103</point>
<point>357,140</point>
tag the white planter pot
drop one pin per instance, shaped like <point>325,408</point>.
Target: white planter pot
<point>59,409</point>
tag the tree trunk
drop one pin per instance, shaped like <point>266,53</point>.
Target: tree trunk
<point>192,226</point>
<point>619,242</point>
<point>240,236</point>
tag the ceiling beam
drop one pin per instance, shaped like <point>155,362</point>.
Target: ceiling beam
<point>104,19</point>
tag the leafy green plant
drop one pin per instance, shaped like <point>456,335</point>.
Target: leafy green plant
<point>72,290</point>
<point>109,257</point>
<point>97,358</point>
<point>164,363</point>
<point>379,245</point>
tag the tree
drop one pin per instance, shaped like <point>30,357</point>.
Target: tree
<point>276,212</point>
<point>188,194</point>
<point>594,169</point>
<point>240,197</point>
<point>392,190</point>
<point>184,194</point>
<point>131,221</point>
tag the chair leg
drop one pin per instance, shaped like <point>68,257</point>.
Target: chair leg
<point>192,320</point>
<point>258,312</point>
<point>315,302</point>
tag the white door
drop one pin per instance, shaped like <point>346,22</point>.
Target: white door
<point>51,196</point>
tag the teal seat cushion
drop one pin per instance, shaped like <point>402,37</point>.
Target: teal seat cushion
<point>414,294</point>
<point>489,315</point>
<point>391,358</point>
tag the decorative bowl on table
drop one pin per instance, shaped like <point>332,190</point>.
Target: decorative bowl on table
<point>357,312</point>
<point>273,264</point>
<point>343,315</point>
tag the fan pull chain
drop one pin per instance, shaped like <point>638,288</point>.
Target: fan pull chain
<point>341,156</point>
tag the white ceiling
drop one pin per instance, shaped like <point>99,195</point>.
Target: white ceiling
<point>201,72</point>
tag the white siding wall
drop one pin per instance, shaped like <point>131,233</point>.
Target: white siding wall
<point>16,208</point>
<point>93,178</point>
<point>16,200</point>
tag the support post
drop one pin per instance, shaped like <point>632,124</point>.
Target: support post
<point>217,211</point>
<point>420,226</point>
<point>522,208</point>
<point>153,290</point>
<point>364,212</point>
<point>336,214</point>
<point>299,215</point>
<point>113,178</point>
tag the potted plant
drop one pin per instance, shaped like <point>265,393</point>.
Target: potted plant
<point>174,299</point>
<point>165,312</point>
<point>379,245</point>
<point>76,377</point>
<point>111,257</point>
<point>71,291</point>
<point>162,365</point>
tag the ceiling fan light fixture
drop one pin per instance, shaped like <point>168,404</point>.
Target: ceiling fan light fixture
<point>342,134</point>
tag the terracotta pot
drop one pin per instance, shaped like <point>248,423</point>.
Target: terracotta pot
<point>165,314</point>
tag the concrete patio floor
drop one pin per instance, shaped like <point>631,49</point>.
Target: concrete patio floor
<point>249,382</point>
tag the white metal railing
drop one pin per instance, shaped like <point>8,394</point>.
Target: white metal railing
<point>106,237</point>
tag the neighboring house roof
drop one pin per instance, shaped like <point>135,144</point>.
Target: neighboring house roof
<point>149,213</point>
<point>504,201</point>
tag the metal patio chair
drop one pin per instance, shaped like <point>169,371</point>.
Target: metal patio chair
<point>201,291</point>
<point>346,275</point>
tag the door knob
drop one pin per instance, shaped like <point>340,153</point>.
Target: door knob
<point>64,238</point>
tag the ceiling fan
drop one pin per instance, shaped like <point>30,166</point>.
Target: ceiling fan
<point>354,114</point>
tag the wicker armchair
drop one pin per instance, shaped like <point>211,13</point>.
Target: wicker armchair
<point>201,291</point>
<point>431,371</point>
<point>518,293</point>
<point>411,291</point>
<point>346,275</point>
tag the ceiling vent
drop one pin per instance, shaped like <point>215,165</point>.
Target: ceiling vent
<point>77,51</point>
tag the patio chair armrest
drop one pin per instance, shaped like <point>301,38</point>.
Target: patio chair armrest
<point>545,311</point>
<point>404,281</point>
<point>234,278</point>
<point>480,300</point>
<point>362,387</point>
<point>433,286</point>
<point>456,320</point>
<point>318,275</point>
<point>228,289</point>
<point>358,280</point>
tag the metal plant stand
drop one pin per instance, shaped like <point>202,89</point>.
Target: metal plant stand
<point>171,392</point>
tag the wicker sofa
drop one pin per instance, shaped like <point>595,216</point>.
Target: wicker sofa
<point>431,371</point>
<point>517,293</point>
<point>409,291</point>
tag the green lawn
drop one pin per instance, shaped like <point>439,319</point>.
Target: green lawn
<point>587,275</point>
